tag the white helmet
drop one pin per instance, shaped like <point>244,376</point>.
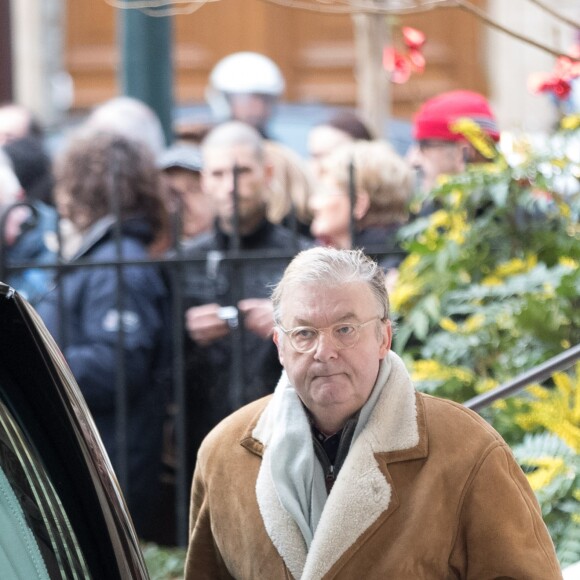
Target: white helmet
<point>247,72</point>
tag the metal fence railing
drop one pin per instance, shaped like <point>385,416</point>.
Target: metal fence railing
<point>538,374</point>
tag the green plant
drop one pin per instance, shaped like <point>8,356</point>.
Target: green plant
<point>553,470</point>
<point>491,288</point>
<point>164,563</point>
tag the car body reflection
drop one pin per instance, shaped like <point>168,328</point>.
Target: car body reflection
<point>62,514</point>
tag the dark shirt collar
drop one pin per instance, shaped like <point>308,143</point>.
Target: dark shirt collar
<point>329,443</point>
<point>339,440</point>
<point>249,241</point>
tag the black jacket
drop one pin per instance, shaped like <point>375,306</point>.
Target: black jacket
<point>89,339</point>
<point>382,244</point>
<point>241,367</point>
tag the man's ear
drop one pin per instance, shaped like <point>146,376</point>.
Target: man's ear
<point>386,339</point>
<point>468,153</point>
<point>361,204</point>
<point>268,172</point>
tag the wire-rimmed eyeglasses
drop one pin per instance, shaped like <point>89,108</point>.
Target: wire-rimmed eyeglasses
<point>343,335</point>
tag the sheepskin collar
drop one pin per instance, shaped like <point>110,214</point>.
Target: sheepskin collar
<point>362,496</point>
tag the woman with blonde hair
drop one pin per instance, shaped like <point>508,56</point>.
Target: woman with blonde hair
<point>289,189</point>
<point>362,198</point>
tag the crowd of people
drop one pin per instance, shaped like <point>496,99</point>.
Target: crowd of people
<point>229,214</point>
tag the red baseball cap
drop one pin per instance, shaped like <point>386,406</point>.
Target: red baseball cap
<point>435,117</point>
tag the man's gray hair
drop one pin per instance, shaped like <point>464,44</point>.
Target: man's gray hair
<point>234,133</point>
<point>332,267</point>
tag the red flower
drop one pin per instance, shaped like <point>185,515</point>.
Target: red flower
<point>561,88</point>
<point>566,68</point>
<point>396,64</point>
<point>558,82</point>
<point>413,38</point>
<point>548,83</point>
<point>400,66</point>
<point>417,60</point>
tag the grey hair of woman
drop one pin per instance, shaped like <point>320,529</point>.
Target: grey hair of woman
<point>331,267</point>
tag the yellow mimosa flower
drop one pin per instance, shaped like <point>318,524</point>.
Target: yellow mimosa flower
<point>473,323</point>
<point>548,469</point>
<point>556,409</point>
<point>570,122</point>
<point>448,325</point>
<point>492,281</point>
<point>476,136</point>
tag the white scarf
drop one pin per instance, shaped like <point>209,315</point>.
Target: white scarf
<point>296,473</point>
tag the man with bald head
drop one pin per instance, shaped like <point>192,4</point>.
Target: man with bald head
<point>230,357</point>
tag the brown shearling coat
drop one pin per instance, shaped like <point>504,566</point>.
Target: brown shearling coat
<point>428,491</point>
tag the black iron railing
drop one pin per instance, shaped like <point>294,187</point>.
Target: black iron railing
<point>538,374</point>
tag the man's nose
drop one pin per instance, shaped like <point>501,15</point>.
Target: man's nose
<point>229,181</point>
<point>325,347</point>
<point>315,225</point>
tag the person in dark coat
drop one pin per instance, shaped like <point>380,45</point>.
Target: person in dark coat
<point>112,325</point>
<point>22,140</point>
<point>28,233</point>
<point>230,357</point>
<point>33,167</point>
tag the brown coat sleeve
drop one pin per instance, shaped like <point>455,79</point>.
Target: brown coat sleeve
<point>501,532</point>
<point>203,561</point>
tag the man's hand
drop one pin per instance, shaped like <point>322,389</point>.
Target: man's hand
<point>258,316</point>
<point>204,325</point>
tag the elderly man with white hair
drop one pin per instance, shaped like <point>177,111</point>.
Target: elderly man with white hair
<point>347,471</point>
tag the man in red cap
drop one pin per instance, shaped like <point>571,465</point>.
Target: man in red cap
<point>439,150</point>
